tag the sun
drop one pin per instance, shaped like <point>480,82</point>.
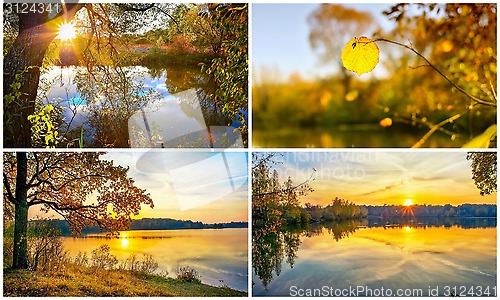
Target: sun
<point>408,202</point>
<point>124,242</point>
<point>66,32</point>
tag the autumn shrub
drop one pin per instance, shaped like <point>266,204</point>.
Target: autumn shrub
<point>188,274</point>
<point>102,258</point>
<point>8,243</point>
<point>81,259</point>
<point>147,265</point>
<point>180,45</point>
<point>45,246</point>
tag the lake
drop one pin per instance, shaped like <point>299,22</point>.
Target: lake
<point>219,255</point>
<point>347,137</point>
<point>137,106</point>
<point>407,255</point>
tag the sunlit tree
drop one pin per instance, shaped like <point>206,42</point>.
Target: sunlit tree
<point>79,187</point>
<point>331,26</point>
<point>484,171</point>
<point>32,32</point>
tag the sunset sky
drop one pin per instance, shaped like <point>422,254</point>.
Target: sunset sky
<point>188,185</point>
<point>378,178</point>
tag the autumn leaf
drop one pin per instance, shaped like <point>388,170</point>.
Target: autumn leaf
<point>360,55</point>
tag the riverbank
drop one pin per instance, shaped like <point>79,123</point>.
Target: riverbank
<point>77,281</point>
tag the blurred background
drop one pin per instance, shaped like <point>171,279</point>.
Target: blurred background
<point>302,96</point>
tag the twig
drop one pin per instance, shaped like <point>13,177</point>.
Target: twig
<point>434,128</point>
<point>474,98</point>
<point>290,189</point>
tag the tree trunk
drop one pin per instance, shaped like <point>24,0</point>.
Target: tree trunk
<point>20,257</point>
<point>25,57</point>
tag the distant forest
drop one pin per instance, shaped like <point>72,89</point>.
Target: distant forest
<point>448,210</point>
<point>150,224</point>
<point>341,209</point>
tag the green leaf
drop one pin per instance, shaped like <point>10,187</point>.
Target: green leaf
<point>482,140</point>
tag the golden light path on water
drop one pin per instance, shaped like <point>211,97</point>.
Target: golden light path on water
<point>216,254</point>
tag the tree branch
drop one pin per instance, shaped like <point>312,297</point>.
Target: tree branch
<point>7,187</point>
<point>127,7</point>
<point>434,128</point>
<point>55,206</point>
<point>472,97</point>
<point>290,189</point>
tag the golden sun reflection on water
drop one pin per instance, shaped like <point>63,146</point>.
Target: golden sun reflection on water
<point>217,254</point>
<point>124,242</point>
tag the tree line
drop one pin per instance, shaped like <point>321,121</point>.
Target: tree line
<point>142,224</point>
<point>447,210</point>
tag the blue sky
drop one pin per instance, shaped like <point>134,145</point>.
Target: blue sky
<point>190,185</point>
<point>280,37</point>
<point>379,178</point>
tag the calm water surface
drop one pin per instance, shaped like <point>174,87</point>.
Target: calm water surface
<point>219,255</point>
<point>346,138</point>
<point>135,106</point>
<point>395,257</point>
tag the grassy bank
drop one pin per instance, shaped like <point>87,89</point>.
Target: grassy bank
<point>78,281</point>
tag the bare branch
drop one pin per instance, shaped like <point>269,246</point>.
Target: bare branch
<point>434,128</point>
<point>472,97</point>
<point>8,189</point>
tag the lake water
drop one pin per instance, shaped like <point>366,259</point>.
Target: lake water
<point>402,256</point>
<point>347,137</point>
<point>138,106</point>
<point>219,255</point>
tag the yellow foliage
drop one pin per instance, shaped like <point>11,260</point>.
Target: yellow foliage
<point>360,55</point>
<point>446,46</point>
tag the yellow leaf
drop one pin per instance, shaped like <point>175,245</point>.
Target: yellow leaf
<point>360,55</point>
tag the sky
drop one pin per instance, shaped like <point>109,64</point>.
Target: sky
<point>378,178</point>
<point>207,187</point>
<point>280,38</point>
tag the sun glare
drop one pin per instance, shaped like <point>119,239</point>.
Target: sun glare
<point>66,32</point>
<point>124,242</point>
<point>408,202</point>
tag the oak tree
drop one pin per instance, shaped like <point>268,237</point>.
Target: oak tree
<point>79,187</point>
<point>484,171</point>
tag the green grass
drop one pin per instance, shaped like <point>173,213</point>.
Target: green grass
<point>78,281</point>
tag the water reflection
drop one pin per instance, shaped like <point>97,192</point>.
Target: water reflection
<point>375,253</point>
<point>348,137</point>
<point>219,255</point>
<point>96,105</point>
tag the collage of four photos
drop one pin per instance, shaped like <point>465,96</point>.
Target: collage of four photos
<point>249,149</point>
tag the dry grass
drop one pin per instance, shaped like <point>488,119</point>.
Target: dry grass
<point>77,281</point>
